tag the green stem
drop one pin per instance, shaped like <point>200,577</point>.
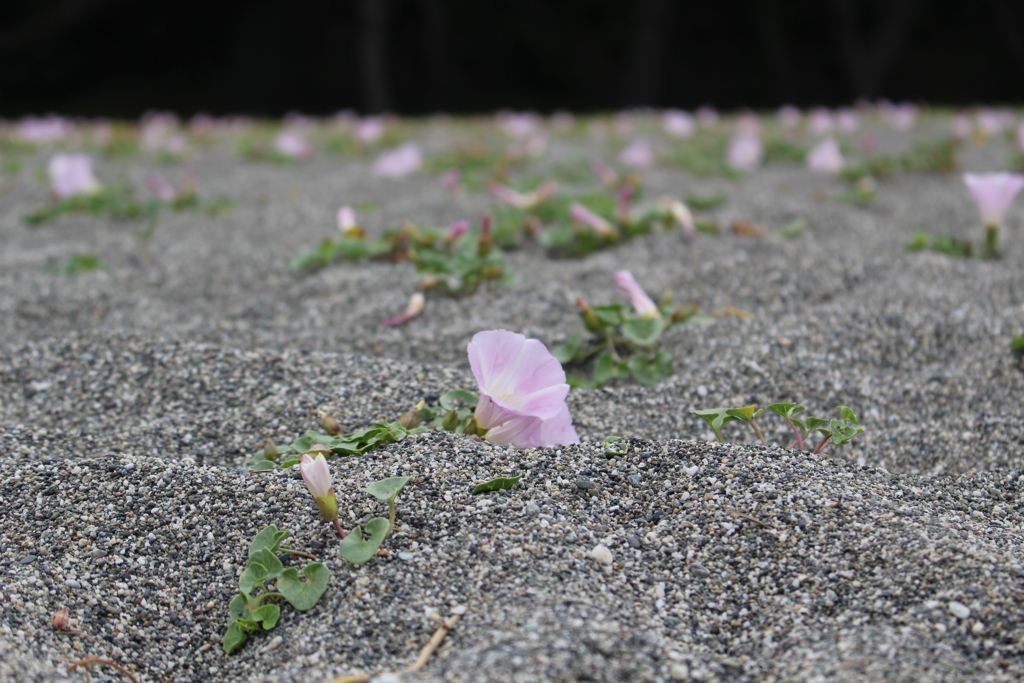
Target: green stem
<point>821,445</point>
<point>991,241</point>
<point>758,432</point>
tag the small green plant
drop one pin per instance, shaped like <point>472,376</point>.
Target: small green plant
<point>1018,344</point>
<point>119,203</point>
<point>254,608</point>
<point>837,432</point>
<point>357,548</point>
<point>80,263</point>
<point>272,456</point>
<point>943,244</point>
<point>617,343</point>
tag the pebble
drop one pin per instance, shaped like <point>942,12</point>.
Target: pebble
<point>532,509</point>
<point>633,540</point>
<point>405,556</point>
<point>71,583</point>
<point>585,484</point>
<point>959,610</point>
<point>601,554</point>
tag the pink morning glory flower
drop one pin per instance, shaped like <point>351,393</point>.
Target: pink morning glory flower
<point>518,125</point>
<point>584,216</point>
<point>847,121</point>
<point>347,219</point>
<point>71,175</point>
<point>994,192</point>
<point>902,116</point>
<point>292,144</point>
<point>399,162</point>
<point>820,121</point>
<point>452,180</point>
<point>160,187</point>
<point>789,117</point>
<point>678,123</point>
<point>707,116</point>
<point>826,157</point>
<point>522,391</point>
<point>43,131</point>
<point>456,230</point>
<point>745,152</point>
<point>316,474</point>
<point>639,154</point>
<point>642,304</point>
<point>370,130</point>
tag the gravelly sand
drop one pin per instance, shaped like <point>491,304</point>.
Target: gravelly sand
<point>131,397</point>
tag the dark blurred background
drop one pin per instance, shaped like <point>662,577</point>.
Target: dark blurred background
<point>268,57</point>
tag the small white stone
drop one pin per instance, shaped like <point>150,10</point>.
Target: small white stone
<point>680,672</point>
<point>460,610</point>
<point>601,554</point>
<point>959,610</point>
<point>978,628</point>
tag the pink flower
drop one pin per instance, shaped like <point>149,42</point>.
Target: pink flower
<point>292,144</point>
<point>522,391</point>
<point>638,154</point>
<point>581,214</point>
<point>1020,137</point>
<point>160,187</point>
<point>399,162</point>
<point>994,192</point>
<point>347,219</point>
<point>370,130</point>
<point>745,152</point>
<point>820,122</point>
<point>43,131</point>
<point>316,473</point>
<point>991,122</point>
<point>451,180</point>
<point>748,124</point>
<point>518,125</point>
<point>71,175</point>
<point>902,116</point>
<point>604,173</point>
<point>413,309</point>
<point>789,117</point>
<point>456,230</point>
<point>707,116</point>
<point>523,200</point>
<point>678,123</point>
<point>826,157</point>
<point>642,304</point>
<point>962,127</point>
<point>847,121</point>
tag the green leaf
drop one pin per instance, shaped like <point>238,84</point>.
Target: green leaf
<point>303,592</point>
<point>746,414</point>
<point>447,400</point>
<point>650,372</point>
<point>794,229</point>
<point>814,423</point>
<point>919,242</point>
<point>260,465</point>
<point>848,415</point>
<point>644,332</point>
<point>611,315</point>
<point>386,489</point>
<point>268,614</point>
<point>239,606</point>
<point>706,202</point>
<point>269,538</point>
<point>234,638</point>
<point>270,562</point>
<point>565,353</point>
<point>1018,343</point>
<point>606,368</point>
<point>252,577</point>
<point>615,445</point>
<point>289,463</point>
<point>785,409</point>
<point>716,418</point>
<point>497,484</point>
<point>356,549</point>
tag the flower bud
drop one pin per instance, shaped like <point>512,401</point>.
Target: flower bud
<point>60,621</point>
<point>413,309</point>
<point>330,425</point>
<point>412,418</point>
<point>590,319</point>
<point>316,473</point>
<point>270,450</point>
<point>484,247</point>
<point>683,313</point>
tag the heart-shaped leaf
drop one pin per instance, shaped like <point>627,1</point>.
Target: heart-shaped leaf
<point>252,577</point>
<point>497,484</point>
<point>716,418</point>
<point>269,538</point>
<point>268,615</point>
<point>268,560</point>
<point>611,315</point>
<point>386,489</point>
<point>261,465</point>
<point>567,351</point>
<point>304,592</point>
<point>644,332</point>
<point>650,372</point>
<point>357,549</point>
<point>785,409</point>
<point>606,368</point>
<point>848,415</point>
<point>448,399</point>
<point>239,606</point>
<point>746,414</point>
<point>234,638</point>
